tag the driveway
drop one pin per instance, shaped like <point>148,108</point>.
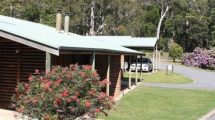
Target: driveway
<point>202,79</point>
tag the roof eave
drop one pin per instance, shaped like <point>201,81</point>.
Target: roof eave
<point>29,42</point>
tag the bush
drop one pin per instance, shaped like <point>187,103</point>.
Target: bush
<point>175,51</point>
<point>200,58</point>
<point>64,92</point>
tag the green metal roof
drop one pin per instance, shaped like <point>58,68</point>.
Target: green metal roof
<point>48,36</point>
<point>128,41</point>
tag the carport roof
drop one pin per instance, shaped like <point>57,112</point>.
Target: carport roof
<point>128,41</point>
<point>48,39</point>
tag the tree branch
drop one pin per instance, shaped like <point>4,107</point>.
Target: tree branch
<point>160,21</point>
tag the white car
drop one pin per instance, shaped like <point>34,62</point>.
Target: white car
<point>146,65</point>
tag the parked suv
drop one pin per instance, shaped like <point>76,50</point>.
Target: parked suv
<point>146,65</point>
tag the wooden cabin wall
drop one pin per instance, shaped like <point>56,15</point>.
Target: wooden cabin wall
<point>17,61</point>
<point>68,59</point>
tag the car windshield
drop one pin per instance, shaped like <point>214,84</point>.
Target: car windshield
<point>146,60</point>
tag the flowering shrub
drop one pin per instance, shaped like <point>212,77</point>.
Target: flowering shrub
<point>64,92</point>
<point>200,58</point>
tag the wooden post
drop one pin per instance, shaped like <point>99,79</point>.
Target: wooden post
<point>141,71</point>
<point>153,61</point>
<point>156,57</point>
<point>136,70</point>
<point>108,77</point>
<point>93,60</point>
<point>129,83</point>
<point>159,60</point>
<point>48,62</point>
<point>18,64</point>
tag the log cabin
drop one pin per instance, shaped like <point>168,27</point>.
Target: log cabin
<point>25,46</point>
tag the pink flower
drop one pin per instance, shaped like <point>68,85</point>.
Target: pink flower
<point>30,78</point>
<point>74,67</point>
<point>57,102</point>
<point>104,82</point>
<point>26,86</point>
<point>36,71</point>
<point>65,93</point>
<point>87,104</point>
<point>59,80</point>
<point>92,92</point>
<point>102,95</point>
<point>35,101</point>
<point>97,110</point>
<point>77,93</point>
<point>95,74</point>
<point>68,100</point>
<point>74,98</point>
<point>72,109</point>
<point>87,67</point>
<point>46,85</point>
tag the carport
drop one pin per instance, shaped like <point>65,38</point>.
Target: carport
<point>135,43</point>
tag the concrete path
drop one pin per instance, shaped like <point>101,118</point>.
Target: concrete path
<point>202,79</point>
<point>212,118</point>
<point>8,115</point>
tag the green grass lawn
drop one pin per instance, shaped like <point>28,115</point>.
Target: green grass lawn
<point>162,77</point>
<point>145,103</point>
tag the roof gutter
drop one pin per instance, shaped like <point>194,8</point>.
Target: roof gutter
<point>98,50</point>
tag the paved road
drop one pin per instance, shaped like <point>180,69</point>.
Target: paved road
<point>202,79</point>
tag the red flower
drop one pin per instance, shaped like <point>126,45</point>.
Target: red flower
<point>102,95</point>
<point>87,104</point>
<point>50,90</point>
<point>74,98</point>
<point>83,74</point>
<point>95,74</point>
<point>77,93</point>
<point>111,98</point>
<point>78,101</point>
<point>57,101</point>
<point>104,82</point>
<point>30,78</point>
<point>74,67</point>
<point>36,71</point>
<point>72,109</point>
<point>65,93</point>
<point>87,67</point>
<point>26,87</point>
<point>92,92</point>
<point>69,75</point>
<point>59,80</point>
<point>97,110</point>
<point>53,71</point>
<point>20,110</point>
<point>68,100</point>
<point>47,84</point>
<point>35,101</point>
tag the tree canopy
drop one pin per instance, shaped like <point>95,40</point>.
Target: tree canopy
<point>190,23</point>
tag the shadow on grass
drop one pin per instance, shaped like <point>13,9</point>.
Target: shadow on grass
<point>125,82</point>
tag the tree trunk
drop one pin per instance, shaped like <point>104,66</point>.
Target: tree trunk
<point>160,21</point>
<point>92,20</point>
